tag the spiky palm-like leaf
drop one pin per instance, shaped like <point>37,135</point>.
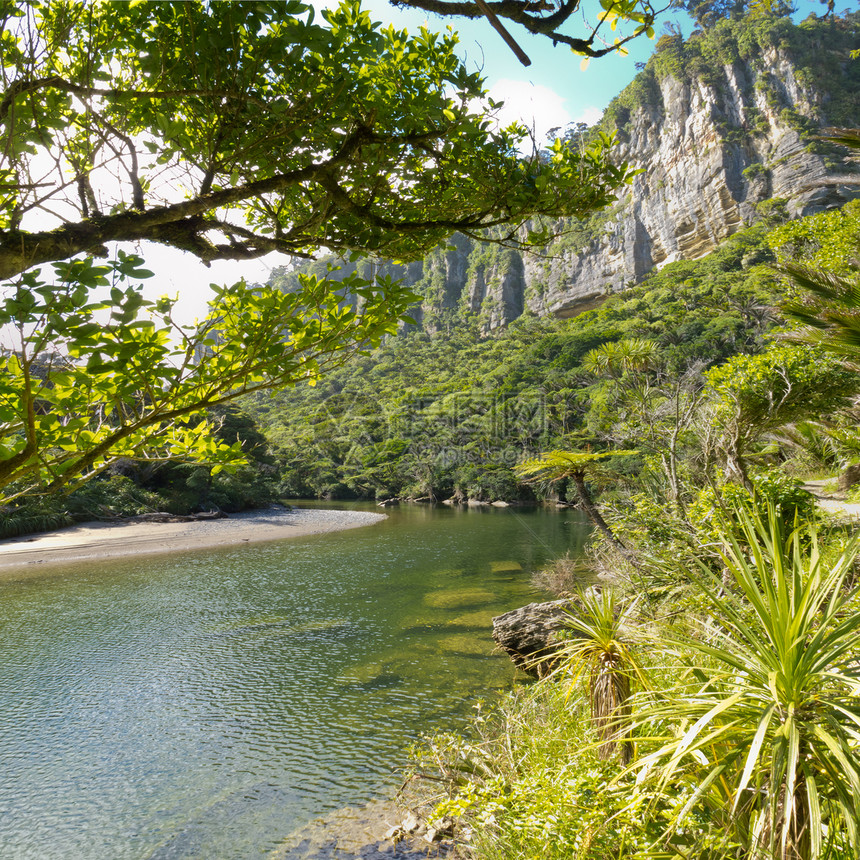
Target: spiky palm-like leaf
<point>601,650</point>
<point>829,313</point>
<point>615,358</point>
<point>577,465</point>
<point>818,443</point>
<point>555,465</point>
<point>773,726</point>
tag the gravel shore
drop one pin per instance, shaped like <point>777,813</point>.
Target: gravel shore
<point>99,540</point>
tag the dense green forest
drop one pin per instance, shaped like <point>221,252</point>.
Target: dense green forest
<point>452,414</point>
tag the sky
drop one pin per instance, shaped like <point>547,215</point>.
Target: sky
<point>551,92</point>
<point>554,89</point>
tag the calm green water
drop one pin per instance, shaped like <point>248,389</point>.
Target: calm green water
<point>207,705</point>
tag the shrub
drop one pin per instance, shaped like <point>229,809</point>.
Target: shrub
<point>531,784</point>
<point>755,170</point>
<point>106,498</point>
<point>771,488</point>
<point>39,515</point>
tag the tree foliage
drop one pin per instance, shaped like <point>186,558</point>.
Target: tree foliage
<point>599,647</point>
<point>234,129</point>
<point>579,466</point>
<point>752,394</point>
<point>228,130</point>
<point>91,380</point>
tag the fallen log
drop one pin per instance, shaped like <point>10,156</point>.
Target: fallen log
<point>529,635</point>
<point>164,517</point>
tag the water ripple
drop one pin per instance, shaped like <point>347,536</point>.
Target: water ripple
<point>207,706</point>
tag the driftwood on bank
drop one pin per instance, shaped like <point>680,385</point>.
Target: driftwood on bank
<point>528,634</point>
<point>163,517</point>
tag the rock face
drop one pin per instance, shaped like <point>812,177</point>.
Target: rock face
<point>709,154</point>
<point>712,144</point>
<point>528,635</point>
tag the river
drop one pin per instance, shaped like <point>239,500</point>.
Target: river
<point>209,704</point>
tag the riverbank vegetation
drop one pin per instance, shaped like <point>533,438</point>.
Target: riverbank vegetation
<point>130,488</point>
<point>450,415</point>
<point>682,370</point>
<point>732,730</point>
<point>707,701</point>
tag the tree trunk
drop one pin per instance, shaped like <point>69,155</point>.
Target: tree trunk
<point>798,845</point>
<point>736,467</point>
<point>593,514</point>
<point>610,708</point>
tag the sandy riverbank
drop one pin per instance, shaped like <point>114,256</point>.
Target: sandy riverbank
<point>97,540</point>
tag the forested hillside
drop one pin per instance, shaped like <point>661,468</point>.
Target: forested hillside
<point>681,363</point>
<point>451,414</point>
<point>724,127</point>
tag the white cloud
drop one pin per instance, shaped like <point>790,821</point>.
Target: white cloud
<point>537,107</point>
<point>590,116</point>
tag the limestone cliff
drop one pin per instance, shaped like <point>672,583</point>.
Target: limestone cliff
<point>711,149</point>
<point>718,124</point>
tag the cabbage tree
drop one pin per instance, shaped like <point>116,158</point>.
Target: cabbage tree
<point>601,650</point>
<point>765,740</point>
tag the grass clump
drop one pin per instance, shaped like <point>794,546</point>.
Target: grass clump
<point>531,784</point>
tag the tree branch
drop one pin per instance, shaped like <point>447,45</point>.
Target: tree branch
<point>528,15</point>
<point>181,224</point>
<point>509,40</point>
<point>133,171</point>
<point>17,88</point>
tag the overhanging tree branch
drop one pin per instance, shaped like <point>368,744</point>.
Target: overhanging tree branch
<point>282,135</point>
<point>534,18</point>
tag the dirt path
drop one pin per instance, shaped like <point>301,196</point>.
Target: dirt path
<point>832,501</point>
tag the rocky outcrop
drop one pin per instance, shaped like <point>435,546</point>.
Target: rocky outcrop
<point>709,154</point>
<point>712,144</point>
<point>529,635</point>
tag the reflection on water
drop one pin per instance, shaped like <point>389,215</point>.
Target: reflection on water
<point>207,705</point>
